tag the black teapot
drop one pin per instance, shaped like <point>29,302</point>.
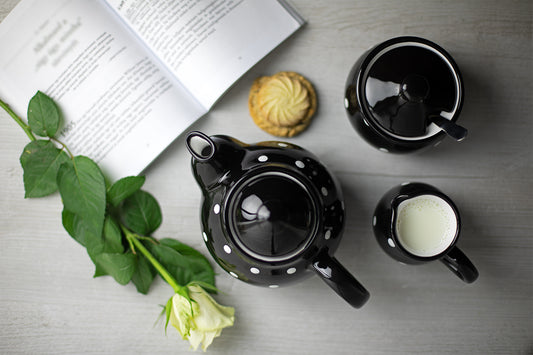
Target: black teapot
<point>271,213</point>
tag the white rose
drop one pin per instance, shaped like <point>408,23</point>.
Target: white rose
<point>201,320</point>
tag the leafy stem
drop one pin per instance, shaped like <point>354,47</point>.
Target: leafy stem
<point>64,146</point>
<point>134,239</point>
<point>17,119</point>
<point>102,216</point>
<point>26,127</point>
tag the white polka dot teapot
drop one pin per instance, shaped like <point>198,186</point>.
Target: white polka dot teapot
<point>271,213</point>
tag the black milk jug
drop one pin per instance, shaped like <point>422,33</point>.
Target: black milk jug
<point>271,213</point>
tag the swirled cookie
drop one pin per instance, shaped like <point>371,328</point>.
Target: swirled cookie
<point>282,104</point>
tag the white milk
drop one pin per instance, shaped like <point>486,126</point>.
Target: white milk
<point>426,225</point>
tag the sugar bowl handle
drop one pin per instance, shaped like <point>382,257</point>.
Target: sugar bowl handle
<point>340,280</point>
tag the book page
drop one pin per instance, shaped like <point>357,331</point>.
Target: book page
<point>208,44</point>
<point>120,106</point>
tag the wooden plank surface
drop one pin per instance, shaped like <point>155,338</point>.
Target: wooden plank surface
<point>50,304</point>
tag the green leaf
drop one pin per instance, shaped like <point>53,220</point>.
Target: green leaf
<point>120,266</point>
<point>141,213</point>
<point>110,241</point>
<point>31,148</point>
<point>43,115</point>
<point>40,161</point>
<point>112,237</point>
<point>200,264</point>
<point>75,226</point>
<point>82,188</point>
<point>70,224</point>
<point>144,275</point>
<point>183,249</point>
<point>124,188</point>
<point>168,309</point>
<point>184,268</point>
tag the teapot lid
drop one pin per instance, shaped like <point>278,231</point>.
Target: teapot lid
<point>272,216</point>
<point>408,80</point>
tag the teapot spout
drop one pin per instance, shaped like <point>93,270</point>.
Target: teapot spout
<point>213,158</point>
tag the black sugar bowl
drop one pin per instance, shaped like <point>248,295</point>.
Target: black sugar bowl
<point>404,95</point>
<point>271,213</point>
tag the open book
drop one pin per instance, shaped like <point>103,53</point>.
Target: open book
<point>131,75</point>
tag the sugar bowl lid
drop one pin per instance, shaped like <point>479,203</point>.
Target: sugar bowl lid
<point>272,216</point>
<point>406,81</point>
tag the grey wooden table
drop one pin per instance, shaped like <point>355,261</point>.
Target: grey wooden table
<point>50,304</point>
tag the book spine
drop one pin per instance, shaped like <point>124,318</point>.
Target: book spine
<point>292,11</point>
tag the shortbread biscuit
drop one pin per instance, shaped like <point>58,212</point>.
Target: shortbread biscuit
<point>282,104</point>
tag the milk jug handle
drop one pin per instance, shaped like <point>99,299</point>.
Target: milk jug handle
<point>460,265</point>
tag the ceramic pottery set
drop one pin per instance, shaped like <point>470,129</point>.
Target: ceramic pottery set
<point>273,214</point>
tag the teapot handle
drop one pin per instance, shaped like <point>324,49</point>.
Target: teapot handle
<point>340,280</point>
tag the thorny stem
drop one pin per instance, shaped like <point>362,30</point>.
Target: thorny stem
<point>17,119</point>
